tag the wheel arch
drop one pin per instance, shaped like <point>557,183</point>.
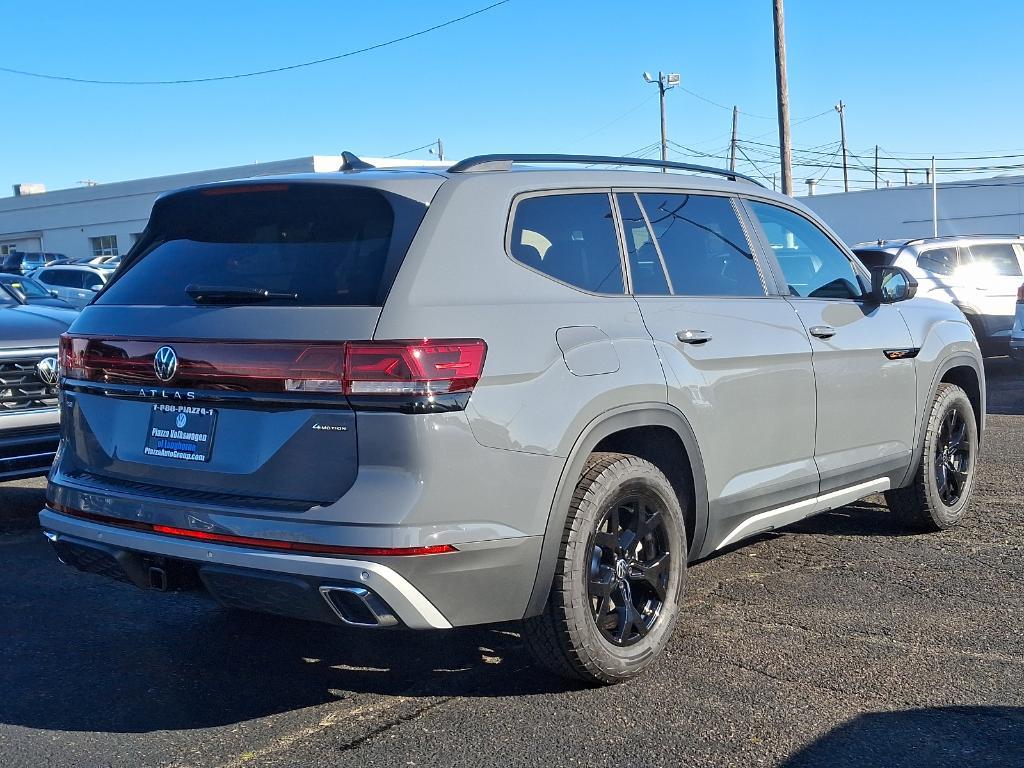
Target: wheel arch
<point>622,429</point>
<point>966,372</point>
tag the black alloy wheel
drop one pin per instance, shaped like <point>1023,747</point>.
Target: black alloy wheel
<point>952,457</point>
<point>629,567</point>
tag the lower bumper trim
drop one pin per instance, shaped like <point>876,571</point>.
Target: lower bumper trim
<point>295,577</point>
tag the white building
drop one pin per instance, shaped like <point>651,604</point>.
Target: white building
<point>978,206</point>
<point>106,219</point>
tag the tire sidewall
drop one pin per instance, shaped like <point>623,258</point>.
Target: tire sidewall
<point>625,478</point>
<point>945,516</point>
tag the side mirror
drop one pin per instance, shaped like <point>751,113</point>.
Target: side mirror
<point>892,284</point>
<point>96,288</point>
<point>53,293</point>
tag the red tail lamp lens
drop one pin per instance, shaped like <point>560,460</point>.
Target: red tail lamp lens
<point>430,367</point>
<point>414,368</point>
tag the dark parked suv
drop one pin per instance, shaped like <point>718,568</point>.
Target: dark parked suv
<point>23,262</point>
<point>436,398</point>
<point>28,384</point>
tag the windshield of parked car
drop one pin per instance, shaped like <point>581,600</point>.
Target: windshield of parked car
<point>24,287</point>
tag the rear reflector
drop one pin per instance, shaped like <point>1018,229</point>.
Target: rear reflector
<point>415,368</point>
<point>249,541</point>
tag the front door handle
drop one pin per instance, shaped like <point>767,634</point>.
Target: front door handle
<point>822,331</point>
<point>693,336</point>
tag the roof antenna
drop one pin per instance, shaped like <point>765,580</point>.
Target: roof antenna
<point>350,162</point>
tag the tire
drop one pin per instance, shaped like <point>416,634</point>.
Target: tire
<point>940,492</point>
<point>624,544</point>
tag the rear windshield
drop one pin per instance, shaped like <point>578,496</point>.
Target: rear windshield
<point>870,258</point>
<point>324,244</point>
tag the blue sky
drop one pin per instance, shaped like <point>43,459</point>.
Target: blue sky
<point>917,77</point>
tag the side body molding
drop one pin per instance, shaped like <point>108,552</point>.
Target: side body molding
<point>615,420</point>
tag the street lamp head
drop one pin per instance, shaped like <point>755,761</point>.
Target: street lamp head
<point>672,79</point>
<point>648,78</point>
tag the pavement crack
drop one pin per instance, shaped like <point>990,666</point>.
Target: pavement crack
<point>400,720</point>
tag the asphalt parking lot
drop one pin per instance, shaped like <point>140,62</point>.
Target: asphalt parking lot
<point>839,641</point>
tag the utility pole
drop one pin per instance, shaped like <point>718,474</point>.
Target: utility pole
<point>935,202</point>
<point>732,144</point>
<point>665,82</point>
<point>841,109</point>
<point>876,166</point>
<point>440,150</point>
<point>782,88</point>
<point>906,177</point>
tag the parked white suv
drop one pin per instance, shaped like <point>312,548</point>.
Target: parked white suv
<point>978,273</point>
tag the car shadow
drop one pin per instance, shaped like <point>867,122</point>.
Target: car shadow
<point>921,738</point>
<point>81,653</point>
<point>861,518</point>
<point>1004,379</point>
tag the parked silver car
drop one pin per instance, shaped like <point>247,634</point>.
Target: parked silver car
<point>74,283</point>
<point>978,273</point>
<point>495,392</point>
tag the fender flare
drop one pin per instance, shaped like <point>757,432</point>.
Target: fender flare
<point>609,422</point>
<point>956,360</point>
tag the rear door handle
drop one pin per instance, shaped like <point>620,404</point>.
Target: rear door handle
<point>693,336</point>
<point>822,331</point>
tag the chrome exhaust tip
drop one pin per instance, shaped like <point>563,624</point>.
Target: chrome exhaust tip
<point>358,606</point>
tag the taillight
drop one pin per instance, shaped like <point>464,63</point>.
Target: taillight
<point>413,368</point>
<point>429,367</point>
<point>1020,294</point>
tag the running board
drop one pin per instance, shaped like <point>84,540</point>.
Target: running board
<point>791,513</point>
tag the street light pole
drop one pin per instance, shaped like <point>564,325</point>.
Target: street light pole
<point>665,82</point>
<point>664,138</point>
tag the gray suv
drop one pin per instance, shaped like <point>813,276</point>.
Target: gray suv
<point>501,391</point>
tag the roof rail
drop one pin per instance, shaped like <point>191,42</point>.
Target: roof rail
<point>504,162</point>
<point>915,240</point>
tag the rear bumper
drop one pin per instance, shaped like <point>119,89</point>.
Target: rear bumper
<point>302,586</point>
<point>1017,347</point>
<point>28,450</point>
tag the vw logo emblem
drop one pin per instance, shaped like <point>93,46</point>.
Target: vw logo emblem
<point>47,370</point>
<point>180,421</point>
<point>165,363</point>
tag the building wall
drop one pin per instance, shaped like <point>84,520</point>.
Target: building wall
<point>981,206</point>
<point>63,221</point>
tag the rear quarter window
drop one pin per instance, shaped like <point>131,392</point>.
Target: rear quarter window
<point>570,237</point>
<point>326,244</point>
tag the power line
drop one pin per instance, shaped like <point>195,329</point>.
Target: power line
<point>414,149</point>
<point>612,122</point>
<point>240,75</point>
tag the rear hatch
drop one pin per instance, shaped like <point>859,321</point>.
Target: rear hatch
<point>210,368</point>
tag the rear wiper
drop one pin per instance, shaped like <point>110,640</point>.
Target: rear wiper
<point>230,294</point>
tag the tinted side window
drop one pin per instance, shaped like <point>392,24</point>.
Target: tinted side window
<point>704,246</point>
<point>645,266</point>
<point>57,277</point>
<point>999,258</point>
<point>942,261</point>
<point>571,238</point>
<point>812,264</point>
